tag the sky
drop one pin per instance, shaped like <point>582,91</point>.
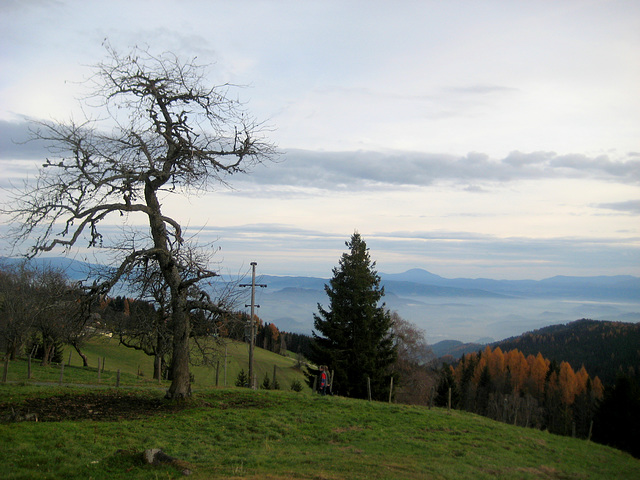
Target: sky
<point>490,139</point>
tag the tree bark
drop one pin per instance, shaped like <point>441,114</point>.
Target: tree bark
<point>180,377</point>
<point>85,360</point>
<point>47,350</point>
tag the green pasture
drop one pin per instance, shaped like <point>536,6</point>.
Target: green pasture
<point>236,433</point>
<point>136,368</point>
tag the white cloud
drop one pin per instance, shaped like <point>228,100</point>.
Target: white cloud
<point>631,207</point>
<point>368,170</point>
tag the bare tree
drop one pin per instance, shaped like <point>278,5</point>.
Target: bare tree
<point>16,307</point>
<point>167,133</point>
<point>40,301</point>
<point>414,355</point>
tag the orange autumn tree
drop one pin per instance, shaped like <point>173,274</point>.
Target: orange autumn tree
<point>528,390</point>
<point>567,383</point>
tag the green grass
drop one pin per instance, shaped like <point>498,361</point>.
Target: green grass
<point>136,368</point>
<point>239,433</point>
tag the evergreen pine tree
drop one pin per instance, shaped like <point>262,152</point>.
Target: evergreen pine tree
<point>266,383</point>
<point>353,336</point>
<point>243,379</point>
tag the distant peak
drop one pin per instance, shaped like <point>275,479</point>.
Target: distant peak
<point>417,275</point>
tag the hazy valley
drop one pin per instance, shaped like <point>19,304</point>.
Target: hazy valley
<point>469,310</point>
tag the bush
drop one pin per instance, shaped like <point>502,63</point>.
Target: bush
<point>296,386</point>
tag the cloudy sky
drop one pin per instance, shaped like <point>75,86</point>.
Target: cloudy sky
<point>491,139</point>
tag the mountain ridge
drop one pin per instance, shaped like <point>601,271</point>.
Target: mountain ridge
<point>460,309</point>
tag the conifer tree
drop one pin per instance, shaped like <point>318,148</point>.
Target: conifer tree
<point>353,336</point>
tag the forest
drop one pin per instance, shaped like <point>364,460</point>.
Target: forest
<point>533,391</point>
<point>606,349</point>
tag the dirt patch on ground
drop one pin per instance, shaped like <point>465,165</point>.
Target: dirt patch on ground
<point>102,407</point>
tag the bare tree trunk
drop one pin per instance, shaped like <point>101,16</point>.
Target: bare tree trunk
<point>47,351</point>
<point>159,363</point>
<point>157,367</point>
<point>180,379</point>
<point>85,360</point>
<point>180,387</point>
<point>15,347</point>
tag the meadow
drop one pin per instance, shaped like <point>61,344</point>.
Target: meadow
<point>97,431</point>
<point>136,368</point>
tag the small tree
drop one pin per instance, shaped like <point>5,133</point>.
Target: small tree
<point>266,382</point>
<point>163,132</point>
<point>243,379</point>
<point>353,337</point>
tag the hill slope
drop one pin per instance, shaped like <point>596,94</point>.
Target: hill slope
<point>238,433</point>
<point>137,368</point>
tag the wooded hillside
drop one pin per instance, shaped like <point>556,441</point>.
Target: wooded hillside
<point>606,349</point>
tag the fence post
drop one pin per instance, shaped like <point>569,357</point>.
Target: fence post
<point>273,384</point>
<point>98,369</point>
<point>225,364</point>
<point>590,431</point>
<point>118,379</point>
<point>29,368</point>
<point>5,372</point>
<point>449,400</point>
<point>217,372</point>
<point>391,390</point>
<point>369,387</point>
<point>61,372</point>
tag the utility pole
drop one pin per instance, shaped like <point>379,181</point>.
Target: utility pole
<point>252,322</point>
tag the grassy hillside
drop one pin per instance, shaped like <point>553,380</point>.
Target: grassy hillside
<point>239,433</point>
<point>136,368</point>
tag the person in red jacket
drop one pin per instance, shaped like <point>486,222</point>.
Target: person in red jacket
<point>324,380</point>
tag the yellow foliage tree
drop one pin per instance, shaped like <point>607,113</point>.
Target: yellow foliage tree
<point>568,383</point>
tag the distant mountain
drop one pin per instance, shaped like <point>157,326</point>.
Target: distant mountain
<point>595,287</point>
<point>282,282</point>
<point>75,270</point>
<point>398,284</point>
<point>460,309</point>
<point>415,275</point>
<point>401,288</point>
<point>454,348</point>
